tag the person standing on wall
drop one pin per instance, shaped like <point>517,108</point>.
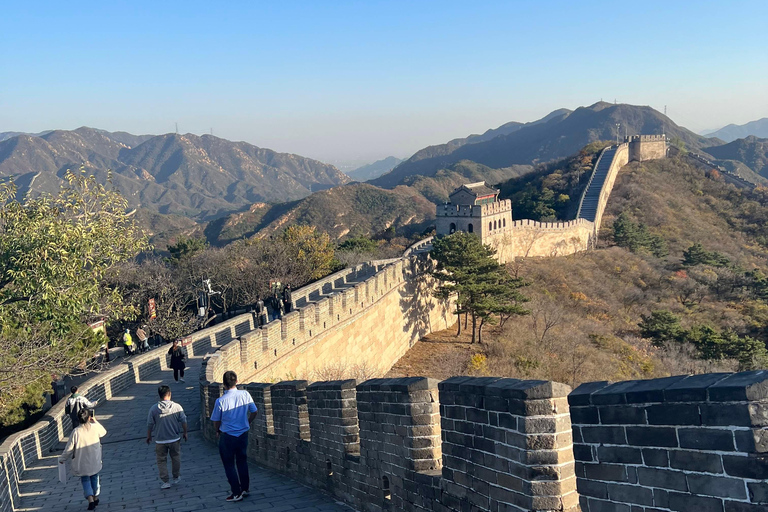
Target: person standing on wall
<point>143,338</point>
<point>287,299</point>
<point>232,416</point>
<point>178,361</point>
<point>128,343</point>
<point>167,419</point>
<point>84,451</point>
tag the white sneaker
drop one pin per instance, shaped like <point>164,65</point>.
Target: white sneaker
<point>166,485</point>
<point>182,380</point>
<point>177,480</point>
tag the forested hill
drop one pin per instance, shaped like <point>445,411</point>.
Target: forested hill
<point>198,176</point>
<point>751,151</point>
<point>677,285</point>
<point>357,209</point>
<point>555,137</point>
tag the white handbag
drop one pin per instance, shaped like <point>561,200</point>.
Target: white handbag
<point>63,473</point>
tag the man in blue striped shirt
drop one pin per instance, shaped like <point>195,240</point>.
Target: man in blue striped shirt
<point>232,415</point>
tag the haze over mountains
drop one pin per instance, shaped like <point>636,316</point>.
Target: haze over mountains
<point>227,190</point>
<point>197,176</point>
<point>375,169</point>
<point>732,132</point>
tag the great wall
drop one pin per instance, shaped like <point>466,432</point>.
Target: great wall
<point>686,443</point>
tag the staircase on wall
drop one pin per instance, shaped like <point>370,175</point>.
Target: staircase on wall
<point>591,198</point>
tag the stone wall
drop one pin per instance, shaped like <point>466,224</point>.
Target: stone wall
<point>620,159</point>
<point>528,239</point>
<point>354,328</point>
<point>412,444</point>
<point>687,443</point>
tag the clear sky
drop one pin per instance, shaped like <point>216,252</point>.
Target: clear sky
<point>342,81</point>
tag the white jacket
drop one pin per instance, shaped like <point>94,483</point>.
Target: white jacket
<point>85,444</point>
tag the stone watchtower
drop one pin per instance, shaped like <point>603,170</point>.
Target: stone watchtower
<point>646,147</point>
<point>475,208</point>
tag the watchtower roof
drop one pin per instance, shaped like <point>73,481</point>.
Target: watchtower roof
<point>479,190</point>
<point>474,194</point>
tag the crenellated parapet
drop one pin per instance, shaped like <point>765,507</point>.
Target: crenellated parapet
<point>361,321</point>
<point>684,443</point>
<point>414,444</point>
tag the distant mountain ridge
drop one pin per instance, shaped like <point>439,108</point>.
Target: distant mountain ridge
<point>730,133</point>
<point>561,133</point>
<point>751,151</point>
<point>197,176</point>
<point>375,169</point>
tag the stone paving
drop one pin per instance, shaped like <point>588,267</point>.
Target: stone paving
<point>129,479</point>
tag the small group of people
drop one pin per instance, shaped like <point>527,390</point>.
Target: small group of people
<point>273,306</point>
<point>130,347</point>
<point>167,425</point>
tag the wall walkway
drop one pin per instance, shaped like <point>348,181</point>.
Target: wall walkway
<point>527,238</point>
<point>129,477</point>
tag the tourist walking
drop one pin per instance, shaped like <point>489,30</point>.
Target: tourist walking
<point>232,416</point>
<point>178,361</point>
<point>166,419</point>
<point>83,450</point>
<point>143,338</point>
<point>75,403</point>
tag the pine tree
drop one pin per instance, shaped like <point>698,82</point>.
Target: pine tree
<point>484,288</point>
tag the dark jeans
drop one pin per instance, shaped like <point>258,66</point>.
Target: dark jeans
<point>233,455</point>
<point>178,372</point>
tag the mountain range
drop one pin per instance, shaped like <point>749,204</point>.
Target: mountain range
<point>559,134</point>
<point>732,132</point>
<point>374,170</point>
<point>750,151</point>
<point>224,190</point>
<point>202,177</point>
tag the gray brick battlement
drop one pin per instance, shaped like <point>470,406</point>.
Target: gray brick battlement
<point>415,444</point>
<point>681,443</point>
<point>684,443</point>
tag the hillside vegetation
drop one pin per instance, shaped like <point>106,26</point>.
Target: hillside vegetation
<point>751,151</point>
<point>352,210</point>
<point>678,287</point>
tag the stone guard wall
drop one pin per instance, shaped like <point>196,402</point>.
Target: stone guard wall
<point>412,444</point>
<point>687,443</point>
<point>366,327</point>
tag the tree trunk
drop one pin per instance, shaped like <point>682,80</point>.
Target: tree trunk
<point>458,317</point>
<point>474,327</point>
<point>466,319</point>
<point>480,331</point>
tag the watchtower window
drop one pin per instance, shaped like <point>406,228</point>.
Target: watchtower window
<point>494,224</point>
<point>471,228</point>
<point>490,226</point>
<point>504,222</point>
<point>453,228</point>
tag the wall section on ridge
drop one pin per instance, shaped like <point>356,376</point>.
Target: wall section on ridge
<point>356,327</point>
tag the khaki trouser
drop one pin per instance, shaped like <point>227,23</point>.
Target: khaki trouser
<point>162,451</point>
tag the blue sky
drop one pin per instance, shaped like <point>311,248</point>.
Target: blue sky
<point>354,81</point>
